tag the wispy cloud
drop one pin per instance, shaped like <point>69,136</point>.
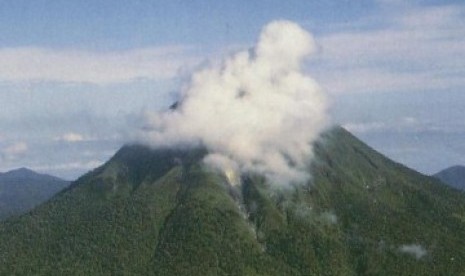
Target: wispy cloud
<point>14,150</point>
<point>72,137</point>
<point>414,48</point>
<point>78,165</point>
<point>75,66</point>
<point>401,125</point>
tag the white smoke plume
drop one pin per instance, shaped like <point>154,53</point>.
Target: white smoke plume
<point>415,250</point>
<point>255,112</point>
<point>222,163</point>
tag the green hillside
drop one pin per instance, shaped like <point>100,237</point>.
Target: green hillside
<point>161,212</point>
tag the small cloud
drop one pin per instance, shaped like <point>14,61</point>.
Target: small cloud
<point>79,165</point>
<point>409,121</point>
<point>16,148</point>
<point>71,137</point>
<point>13,151</point>
<point>415,250</point>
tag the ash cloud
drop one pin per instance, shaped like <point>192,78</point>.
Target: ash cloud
<point>256,111</point>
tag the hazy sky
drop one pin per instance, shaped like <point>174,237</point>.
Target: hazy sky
<point>75,75</point>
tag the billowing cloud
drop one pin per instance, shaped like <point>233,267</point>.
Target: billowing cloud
<point>256,111</point>
<point>77,66</point>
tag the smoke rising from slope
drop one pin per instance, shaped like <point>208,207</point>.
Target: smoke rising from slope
<point>255,112</point>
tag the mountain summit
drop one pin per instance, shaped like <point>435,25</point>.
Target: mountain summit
<point>453,176</point>
<point>163,212</point>
<point>23,189</point>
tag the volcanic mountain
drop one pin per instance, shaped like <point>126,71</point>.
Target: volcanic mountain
<point>163,212</point>
<point>23,189</point>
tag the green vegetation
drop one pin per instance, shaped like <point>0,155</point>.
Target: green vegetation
<point>161,212</point>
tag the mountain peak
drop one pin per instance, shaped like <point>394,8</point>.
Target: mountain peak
<point>453,176</point>
<point>22,189</point>
<point>26,173</point>
<point>162,212</point>
<point>23,171</point>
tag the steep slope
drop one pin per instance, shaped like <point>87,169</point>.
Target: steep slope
<point>23,189</point>
<point>395,220</point>
<point>453,176</point>
<point>162,212</point>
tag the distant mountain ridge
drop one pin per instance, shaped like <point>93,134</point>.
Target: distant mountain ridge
<point>453,176</point>
<point>25,173</point>
<point>22,189</point>
<point>163,212</point>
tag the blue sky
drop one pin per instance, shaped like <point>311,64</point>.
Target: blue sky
<point>135,24</point>
<point>75,75</point>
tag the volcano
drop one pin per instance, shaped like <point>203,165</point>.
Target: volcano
<point>163,212</point>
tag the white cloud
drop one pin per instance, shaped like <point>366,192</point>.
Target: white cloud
<point>75,66</point>
<point>415,250</point>
<point>399,124</point>
<point>13,151</point>
<point>77,165</point>
<point>416,48</point>
<point>256,109</point>
<point>70,137</point>
<point>16,148</point>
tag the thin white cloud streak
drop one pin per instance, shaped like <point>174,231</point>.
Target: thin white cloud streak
<point>401,125</point>
<point>78,165</point>
<point>74,137</point>
<point>29,64</point>
<point>71,137</point>
<point>421,48</point>
<point>13,151</point>
<point>381,80</point>
<point>16,148</point>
